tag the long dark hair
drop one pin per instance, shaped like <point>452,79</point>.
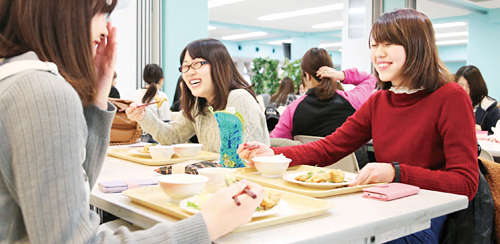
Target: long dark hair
<point>58,32</point>
<point>225,76</point>
<point>286,87</point>
<point>314,59</point>
<point>152,75</point>
<point>477,87</point>
<point>412,30</point>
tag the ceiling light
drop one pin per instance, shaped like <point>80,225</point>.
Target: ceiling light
<point>447,25</point>
<point>453,42</point>
<point>217,3</point>
<point>452,34</point>
<point>328,25</point>
<point>302,12</point>
<point>279,42</point>
<point>211,27</point>
<point>246,35</point>
<point>334,44</point>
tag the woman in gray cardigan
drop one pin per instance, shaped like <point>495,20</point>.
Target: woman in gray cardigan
<point>54,130</point>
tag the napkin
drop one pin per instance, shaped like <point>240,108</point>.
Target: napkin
<point>122,185</point>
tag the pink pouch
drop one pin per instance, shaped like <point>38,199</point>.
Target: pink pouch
<point>390,191</point>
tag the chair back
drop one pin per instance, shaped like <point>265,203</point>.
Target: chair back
<point>486,155</point>
<point>349,163</point>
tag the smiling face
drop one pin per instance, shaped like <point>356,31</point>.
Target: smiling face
<point>388,59</point>
<point>199,81</point>
<point>98,30</point>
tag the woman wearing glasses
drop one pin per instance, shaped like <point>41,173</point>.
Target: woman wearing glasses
<point>210,80</point>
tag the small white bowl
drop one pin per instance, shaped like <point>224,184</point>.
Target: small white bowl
<point>180,186</point>
<point>271,167</point>
<point>187,150</point>
<point>217,177</point>
<point>161,152</point>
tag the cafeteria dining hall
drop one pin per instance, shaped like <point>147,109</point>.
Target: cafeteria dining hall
<point>249,121</point>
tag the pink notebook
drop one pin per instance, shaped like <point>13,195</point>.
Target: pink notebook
<point>390,191</point>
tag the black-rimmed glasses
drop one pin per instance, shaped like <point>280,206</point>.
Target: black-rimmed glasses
<point>194,65</point>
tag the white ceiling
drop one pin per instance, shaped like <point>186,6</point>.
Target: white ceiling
<point>245,13</point>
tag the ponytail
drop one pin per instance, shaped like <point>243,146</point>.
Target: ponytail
<point>150,93</point>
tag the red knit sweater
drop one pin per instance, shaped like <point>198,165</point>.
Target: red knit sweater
<point>432,136</point>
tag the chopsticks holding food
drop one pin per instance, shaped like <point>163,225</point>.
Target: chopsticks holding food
<point>139,106</point>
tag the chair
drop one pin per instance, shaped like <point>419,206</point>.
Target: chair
<point>266,98</point>
<point>349,163</point>
<point>486,155</point>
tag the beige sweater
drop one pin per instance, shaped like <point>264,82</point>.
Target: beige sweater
<point>45,135</point>
<point>206,127</point>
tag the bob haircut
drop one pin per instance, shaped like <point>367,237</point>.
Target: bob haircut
<point>286,87</point>
<point>314,59</point>
<point>225,76</point>
<point>412,30</point>
<point>477,86</point>
<point>58,32</point>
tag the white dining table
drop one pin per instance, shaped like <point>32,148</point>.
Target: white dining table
<point>353,219</point>
<point>492,147</point>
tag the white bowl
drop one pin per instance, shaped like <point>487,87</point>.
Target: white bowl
<point>187,150</point>
<point>180,186</point>
<point>271,167</point>
<point>161,152</point>
<point>217,177</point>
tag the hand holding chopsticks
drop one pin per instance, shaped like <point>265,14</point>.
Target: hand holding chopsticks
<point>249,150</point>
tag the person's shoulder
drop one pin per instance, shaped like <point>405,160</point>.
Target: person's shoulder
<point>239,93</point>
<point>488,103</point>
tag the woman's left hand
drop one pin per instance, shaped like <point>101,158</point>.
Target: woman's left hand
<point>105,61</point>
<point>375,173</point>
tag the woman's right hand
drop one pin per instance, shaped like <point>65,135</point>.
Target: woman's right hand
<point>253,149</point>
<point>134,113</point>
<point>331,73</point>
<point>221,213</point>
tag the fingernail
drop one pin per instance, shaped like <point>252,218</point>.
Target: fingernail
<point>244,181</point>
<point>245,144</point>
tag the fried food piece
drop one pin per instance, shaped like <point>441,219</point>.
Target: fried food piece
<point>159,101</point>
<point>145,149</point>
<point>269,201</point>
<point>303,177</point>
<point>337,176</point>
<point>319,177</point>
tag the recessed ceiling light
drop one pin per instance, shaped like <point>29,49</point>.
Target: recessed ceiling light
<point>211,27</point>
<point>245,35</point>
<point>335,44</point>
<point>279,42</point>
<point>447,25</point>
<point>453,42</point>
<point>328,25</point>
<point>302,12</point>
<point>452,34</point>
<point>217,3</point>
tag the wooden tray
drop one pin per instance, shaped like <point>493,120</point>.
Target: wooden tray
<point>279,183</point>
<point>124,153</point>
<point>299,207</point>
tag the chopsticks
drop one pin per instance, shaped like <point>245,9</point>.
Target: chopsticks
<point>247,191</point>
<point>139,106</point>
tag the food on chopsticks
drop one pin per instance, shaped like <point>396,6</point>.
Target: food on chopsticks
<point>322,176</point>
<point>270,200</point>
<point>159,101</point>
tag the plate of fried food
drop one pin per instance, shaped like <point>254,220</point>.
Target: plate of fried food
<point>321,178</point>
<point>271,204</point>
<point>142,151</point>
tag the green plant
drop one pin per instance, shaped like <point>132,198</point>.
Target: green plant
<point>292,70</point>
<point>266,78</point>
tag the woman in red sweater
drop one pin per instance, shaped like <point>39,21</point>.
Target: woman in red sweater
<point>421,122</point>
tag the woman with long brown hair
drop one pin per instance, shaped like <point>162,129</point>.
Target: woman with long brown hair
<point>210,80</point>
<point>485,108</point>
<point>57,60</point>
<point>285,94</point>
<point>421,122</point>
